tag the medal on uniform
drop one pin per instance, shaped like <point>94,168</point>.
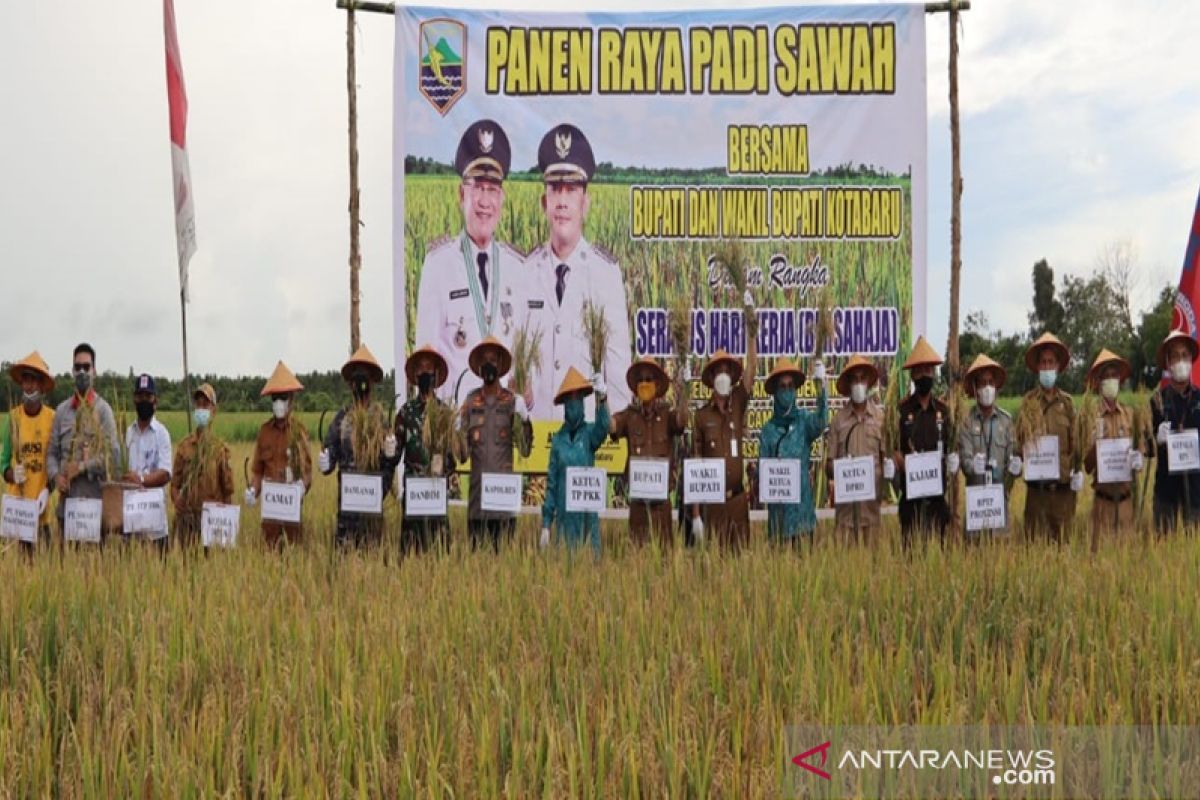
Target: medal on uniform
<point>482,318</point>
<point>460,336</point>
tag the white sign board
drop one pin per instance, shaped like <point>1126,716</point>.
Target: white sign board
<point>424,497</point>
<point>219,524</point>
<point>586,489</point>
<point>500,492</point>
<point>1041,460</point>
<point>81,519</point>
<point>20,519</point>
<point>853,479</point>
<point>985,508</point>
<point>362,493</point>
<point>704,481</point>
<point>649,478</point>
<point>1183,451</point>
<point>923,475</point>
<point>779,480</point>
<point>1112,460</point>
<point>145,511</point>
<point>281,501</point>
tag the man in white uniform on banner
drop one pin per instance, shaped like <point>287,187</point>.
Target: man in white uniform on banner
<point>569,271</point>
<point>470,284</point>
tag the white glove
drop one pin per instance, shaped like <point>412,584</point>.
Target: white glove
<point>251,497</point>
<point>1014,465</point>
<point>598,385</point>
<point>748,299</point>
<point>389,446</point>
<point>1076,481</point>
<point>544,542</point>
<point>18,472</point>
<point>43,498</point>
<point>952,463</point>
<point>979,464</point>
<point>520,408</point>
<point>889,469</point>
<point>1137,462</point>
<point>819,371</point>
<point>323,462</point>
<point>1164,428</point>
<point>698,529</point>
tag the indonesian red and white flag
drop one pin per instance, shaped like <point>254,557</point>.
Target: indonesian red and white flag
<point>185,211</point>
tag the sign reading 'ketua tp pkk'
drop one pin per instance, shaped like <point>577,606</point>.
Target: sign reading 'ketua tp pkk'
<point>281,501</point>
<point>585,489</point>
<point>704,480</point>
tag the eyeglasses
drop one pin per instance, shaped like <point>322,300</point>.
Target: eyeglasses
<point>81,367</point>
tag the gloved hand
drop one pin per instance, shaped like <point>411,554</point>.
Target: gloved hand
<point>952,463</point>
<point>818,372</point>
<point>698,529</point>
<point>251,497</point>
<point>1164,428</point>
<point>389,446</point>
<point>323,462</point>
<point>1137,462</point>
<point>1076,481</point>
<point>1014,466</point>
<point>520,408</point>
<point>598,386</point>
<point>18,472</point>
<point>889,469</point>
<point>42,499</point>
<point>979,464</point>
<point>544,542</point>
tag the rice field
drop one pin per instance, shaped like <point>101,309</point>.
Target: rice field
<point>645,674</point>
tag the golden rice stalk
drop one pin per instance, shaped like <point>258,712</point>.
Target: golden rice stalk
<point>731,255</point>
<point>368,430</point>
<point>891,408</point>
<point>527,358</point>
<point>679,320</point>
<point>1143,441</point>
<point>89,441</point>
<point>201,470</point>
<point>1031,422</point>
<point>596,329</point>
<point>437,431</point>
<point>1084,432</point>
<point>824,331</point>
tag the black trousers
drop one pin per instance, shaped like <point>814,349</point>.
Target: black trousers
<point>481,530</point>
<point>929,515</point>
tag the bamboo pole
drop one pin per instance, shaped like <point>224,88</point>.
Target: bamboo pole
<point>956,186</point>
<point>355,224</point>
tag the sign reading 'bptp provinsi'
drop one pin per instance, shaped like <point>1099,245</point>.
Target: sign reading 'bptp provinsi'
<point>634,147</point>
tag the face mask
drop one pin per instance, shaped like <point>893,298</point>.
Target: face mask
<point>1181,371</point>
<point>361,389</point>
<point>573,412</point>
<point>201,416</point>
<point>1109,388</point>
<point>986,395</point>
<point>723,384</point>
<point>1047,377</point>
<point>646,392</point>
<point>424,382</point>
<point>858,393</point>
<point>83,382</point>
<point>32,397</point>
<point>490,373</point>
<point>279,408</point>
<point>785,401</point>
<point>924,384</point>
<point>145,410</point>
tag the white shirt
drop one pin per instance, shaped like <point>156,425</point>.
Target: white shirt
<point>149,451</point>
<point>592,274</point>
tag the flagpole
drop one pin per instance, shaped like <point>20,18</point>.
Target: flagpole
<point>187,376</point>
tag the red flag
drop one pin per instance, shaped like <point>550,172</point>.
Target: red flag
<point>185,212</point>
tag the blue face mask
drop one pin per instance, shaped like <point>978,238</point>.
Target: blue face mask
<point>785,402</point>
<point>201,417</point>
<point>1047,377</point>
<point>573,412</point>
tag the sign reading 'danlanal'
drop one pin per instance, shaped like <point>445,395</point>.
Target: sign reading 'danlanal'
<point>362,493</point>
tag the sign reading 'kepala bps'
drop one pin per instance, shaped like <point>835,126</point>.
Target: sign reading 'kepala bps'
<point>550,163</point>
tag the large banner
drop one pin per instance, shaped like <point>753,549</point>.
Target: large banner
<point>545,163</point>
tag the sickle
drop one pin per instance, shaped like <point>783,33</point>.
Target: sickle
<point>246,470</point>
<point>321,426</point>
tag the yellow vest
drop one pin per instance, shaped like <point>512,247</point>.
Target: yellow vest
<point>30,449</point>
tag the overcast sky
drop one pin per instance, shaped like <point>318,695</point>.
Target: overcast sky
<point>1080,123</point>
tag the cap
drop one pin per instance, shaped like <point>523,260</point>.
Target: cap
<point>565,156</point>
<point>483,152</point>
<point>144,383</point>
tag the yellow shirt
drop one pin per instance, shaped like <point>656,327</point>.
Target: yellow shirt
<point>32,444</point>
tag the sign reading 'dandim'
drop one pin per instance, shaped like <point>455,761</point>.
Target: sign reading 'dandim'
<point>424,497</point>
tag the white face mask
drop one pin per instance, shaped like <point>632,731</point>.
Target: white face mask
<point>723,384</point>
<point>858,393</point>
<point>1181,370</point>
<point>986,395</point>
<point>1109,388</point>
<point>279,408</point>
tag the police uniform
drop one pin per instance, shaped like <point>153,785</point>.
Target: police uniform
<point>467,292</point>
<point>560,286</point>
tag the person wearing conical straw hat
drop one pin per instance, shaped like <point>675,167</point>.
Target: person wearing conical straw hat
<point>1112,506</point>
<point>856,432</point>
<point>720,427</point>
<point>651,427</point>
<point>790,433</point>
<point>27,440</point>
<point>986,437</point>
<point>426,370</point>
<point>924,428</point>
<point>282,452</point>
<point>1175,408</point>
<point>486,420</point>
<point>1050,501</point>
<point>574,445</point>
<point>201,472</point>
<point>360,440</point>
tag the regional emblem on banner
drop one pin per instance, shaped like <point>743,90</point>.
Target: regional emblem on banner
<point>442,77</point>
